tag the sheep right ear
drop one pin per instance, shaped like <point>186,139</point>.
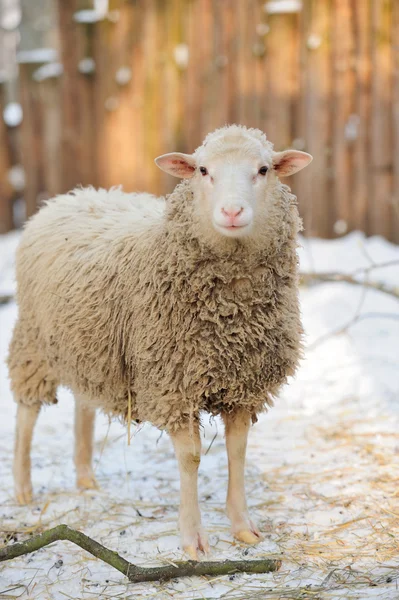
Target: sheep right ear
<point>290,161</point>
<point>177,164</point>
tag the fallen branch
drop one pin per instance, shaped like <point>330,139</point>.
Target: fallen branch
<point>340,277</point>
<point>134,573</point>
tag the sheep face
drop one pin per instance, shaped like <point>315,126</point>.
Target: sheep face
<point>233,177</point>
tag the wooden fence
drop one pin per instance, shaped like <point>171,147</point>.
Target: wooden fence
<point>156,75</point>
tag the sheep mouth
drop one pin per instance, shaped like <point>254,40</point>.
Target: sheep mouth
<point>233,230</point>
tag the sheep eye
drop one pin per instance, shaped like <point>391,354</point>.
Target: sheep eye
<point>263,170</point>
<point>203,171</point>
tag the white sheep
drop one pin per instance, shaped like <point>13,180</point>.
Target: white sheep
<point>162,308</point>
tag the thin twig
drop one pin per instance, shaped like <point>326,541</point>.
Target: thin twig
<point>353,321</point>
<point>342,278</point>
<point>134,573</point>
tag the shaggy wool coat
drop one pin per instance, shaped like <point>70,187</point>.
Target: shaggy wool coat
<point>118,293</point>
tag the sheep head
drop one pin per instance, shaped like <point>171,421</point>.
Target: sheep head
<point>234,175</point>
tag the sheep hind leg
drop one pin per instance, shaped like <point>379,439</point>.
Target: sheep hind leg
<point>236,431</point>
<point>188,452</point>
<point>26,420</point>
<point>84,434</point>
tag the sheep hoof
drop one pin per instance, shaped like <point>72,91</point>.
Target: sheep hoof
<point>200,544</point>
<point>87,483</point>
<point>24,495</point>
<point>248,537</point>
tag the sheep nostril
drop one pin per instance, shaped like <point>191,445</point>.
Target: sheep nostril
<point>232,212</point>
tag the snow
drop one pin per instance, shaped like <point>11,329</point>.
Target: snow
<point>275,7</point>
<point>13,114</point>
<point>48,71</point>
<point>37,55</point>
<point>16,176</point>
<point>87,65</point>
<point>88,16</point>
<point>322,465</point>
<point>181,55</point>
<point>10,15</point>
<point>123,75</point>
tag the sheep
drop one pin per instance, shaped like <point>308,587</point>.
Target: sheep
<point>161,308</point>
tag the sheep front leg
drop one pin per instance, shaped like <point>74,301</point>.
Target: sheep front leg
<point>188,452</point>
<point>236,431</point>
<point>26,420</point>
<point>84,433</point>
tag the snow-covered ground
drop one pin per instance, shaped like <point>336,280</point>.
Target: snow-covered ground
<point>322,474</point>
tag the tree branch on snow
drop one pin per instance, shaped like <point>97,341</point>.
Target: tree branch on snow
<point>134,573</point>
<point>352,279</point>
<point>366,284</point>
<point>353,321</point>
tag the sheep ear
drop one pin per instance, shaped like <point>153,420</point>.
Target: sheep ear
<point>290,161</point>
<point>177,164</point>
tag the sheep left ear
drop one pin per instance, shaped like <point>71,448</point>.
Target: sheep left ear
<point>290,161</point>
<point>177,164</point>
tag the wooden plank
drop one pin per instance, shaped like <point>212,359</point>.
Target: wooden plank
<point>31,138</point>
<point>205,68</point>
<point>380,201</point>
<point>230,19</point>
<point>194,83</point>
<point>50,133</point>
<point>154,43</point>
<point>362,144</point>
<point>6,191</point>
<point>218,81</point>
<point>316,180</point>
<point>343,108</point>
<point>395,110</point>
<point>280,77</point>
<point>71,167</point>
<point>244,62</point>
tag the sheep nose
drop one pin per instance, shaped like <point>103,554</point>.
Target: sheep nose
<point>232,212</point>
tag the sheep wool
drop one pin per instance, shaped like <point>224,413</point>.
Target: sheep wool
<point>120,292</point>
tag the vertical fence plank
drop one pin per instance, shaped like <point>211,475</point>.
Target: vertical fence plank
<point>194,83</point>
<point>154,62</point>
<point>71,115</point>
<point>280,77</point>
<point>343,108</point>
<point>244,62</point>
<point>6,191</point>
<point>218,74</point>
<point>380,200</point>
<point>395,114</point>
<point>313,132</point>
<point>49,97</point>
<point>31,137</point>
<point>362,144</point>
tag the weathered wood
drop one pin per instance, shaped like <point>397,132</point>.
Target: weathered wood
<point>50,99</point>
<point>395,131</point>
<point>280,78</point>
<point>134,573</point>
<point>362,143</point>
<point>76,114</point>
<point>6,191</point>
<point>381,193</point>
<point>31,137</point>
<point>314,133</point>
<point>323,76</point>
<point>342,110</point>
